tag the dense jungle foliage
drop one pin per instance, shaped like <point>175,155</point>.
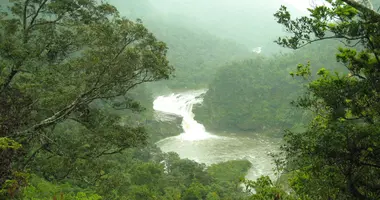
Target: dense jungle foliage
<point>256,94</point>
<point>71,128</point>
<point>78,77</point>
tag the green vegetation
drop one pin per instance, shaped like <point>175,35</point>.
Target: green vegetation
<point>71,126</point>
<point>57,60</point>
<point>196,55</point>
<point>256,94</point>
<point>77,81</point>
<point>194,52</point>
<point>144,174</point>
<point>230,171</point>
<point>337,156</point>
<point>248,96</point>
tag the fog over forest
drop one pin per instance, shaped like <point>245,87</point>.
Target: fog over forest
<point>249,23</point>
<point>189,99</point>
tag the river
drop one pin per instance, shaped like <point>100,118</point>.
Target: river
<point>197,144</point>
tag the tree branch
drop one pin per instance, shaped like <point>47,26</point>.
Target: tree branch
<point>34,155</point>
<point>325,38</point>
<point>25,14</point>
<point>46,22</point>
<point>8,81</point>
<point>359,76</point>
<point>53,119</point>
<point>373,49</point>
<point>110,153</point>
<point>363,9</point>
<point>128,42</point>
<point>37,12</point>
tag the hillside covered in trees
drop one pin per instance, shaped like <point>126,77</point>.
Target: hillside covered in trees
<point>256,94</point>
<point>78,79</point>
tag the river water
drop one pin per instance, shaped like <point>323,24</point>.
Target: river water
<point>197,144</point>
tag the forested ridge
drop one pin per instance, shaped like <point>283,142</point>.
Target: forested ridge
<point>256,94</point>
<point>78,79</point>
<point>195,53</point>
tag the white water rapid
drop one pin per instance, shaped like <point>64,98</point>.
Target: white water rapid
<point>181,105</point>
<point>197,144</point>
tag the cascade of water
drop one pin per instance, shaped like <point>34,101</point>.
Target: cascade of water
<point>195,143</point>
<point>181,105</point>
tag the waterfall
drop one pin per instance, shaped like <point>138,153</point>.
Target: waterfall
<point>195,143</point>
<point>181,105</point>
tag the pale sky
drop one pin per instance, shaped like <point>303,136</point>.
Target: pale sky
<point>302,5</point>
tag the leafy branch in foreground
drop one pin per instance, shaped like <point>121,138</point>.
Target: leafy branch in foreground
<point>56,58</point>
<point>337,154</point>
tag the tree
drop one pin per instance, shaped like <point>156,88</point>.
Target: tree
<point>263,188</point>
<point>252,95</point>
<point>57,58</point>
<point>336,158</point>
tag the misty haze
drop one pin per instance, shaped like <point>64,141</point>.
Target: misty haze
<point>190,99</point>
